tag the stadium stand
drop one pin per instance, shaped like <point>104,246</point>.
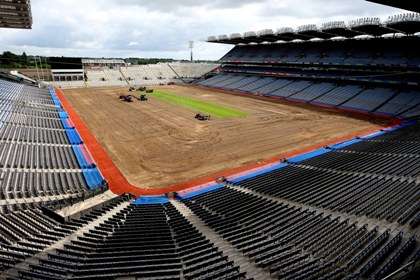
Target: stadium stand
<point>105,78</point>
<point>338,95</point>
<point>151,242</point>
<point>148,74</point>
<point>141,75</point>
<point>27,233</point>
<point>372,177</point>
<point>346,211</point>
<point>376,100</point>
<point>371,99</point>
<point>41,156</point>
<point>365,70</point>
<point>302,220</point>
<point>312,92</point>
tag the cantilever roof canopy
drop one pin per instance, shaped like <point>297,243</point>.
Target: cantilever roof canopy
<point>371,26</point>
<point>406,5</point>
<point>311,31</point>
<point>15,14</point>
<point>407,24</point>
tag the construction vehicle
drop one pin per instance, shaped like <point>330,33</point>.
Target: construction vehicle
<point>126,98</point>
<point>202,117</point>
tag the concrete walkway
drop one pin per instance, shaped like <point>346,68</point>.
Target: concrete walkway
<point>37,199</point>
<point>86,204</point>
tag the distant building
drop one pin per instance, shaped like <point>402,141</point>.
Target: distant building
<point>66,69</point>
<point>97,63</point>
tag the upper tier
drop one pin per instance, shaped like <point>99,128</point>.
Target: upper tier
<point>397,52</point>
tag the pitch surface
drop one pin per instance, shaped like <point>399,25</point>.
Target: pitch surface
<point>157,143</point>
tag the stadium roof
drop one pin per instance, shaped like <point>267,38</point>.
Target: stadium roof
<point>15,14</point>
<point>407,24</point>
<point>406,5</point>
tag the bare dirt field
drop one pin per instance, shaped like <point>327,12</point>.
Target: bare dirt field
<point>156,144</point>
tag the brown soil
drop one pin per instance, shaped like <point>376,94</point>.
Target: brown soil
<point>156,144</point>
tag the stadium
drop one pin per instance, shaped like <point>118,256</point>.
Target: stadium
<point>294,156</point>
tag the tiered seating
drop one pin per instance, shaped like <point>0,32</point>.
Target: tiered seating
<point>354,179</point>
<point>381,101</point>
<point>256,85</point>
<point>338,96</point>
<point>313,92</point>
<point>144,241</point>
<point>293,243</point>
<point>377,76</point>
<point>163,73</point>
<point>262,230</point>
<point>374,52</point>
<point>38,162</point>
<point>397,165</point>
<point>141,75</point>
<point>70,84</point>
<point>400,103</point>
<point>201,258</point>
<point>411,113</point>
<point>275,85</point>
<point>191,70</point>
<point>380,198</point>
<point>241,83</point>
<point>114,77</point>
<point>215,80</point>
<point>291,89</point>
<point>370,99</point>
<point>26,233</point>
<point>229,81</point>
<point>105,77</point>
<point>96,78</point>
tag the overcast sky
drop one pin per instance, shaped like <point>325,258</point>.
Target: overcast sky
<point>162,28</point>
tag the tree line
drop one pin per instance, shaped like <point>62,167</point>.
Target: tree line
<point>15,61</point>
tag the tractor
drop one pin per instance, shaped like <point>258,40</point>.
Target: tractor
<point>126,98</point>
<point>202,117</point>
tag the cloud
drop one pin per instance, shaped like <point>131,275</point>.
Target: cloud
<point>162,28</point>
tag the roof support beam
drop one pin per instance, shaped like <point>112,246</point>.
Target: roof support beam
<point>15,14</point>
<point>406,5</point>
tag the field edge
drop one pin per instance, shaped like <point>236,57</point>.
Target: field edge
<point>119,184</point>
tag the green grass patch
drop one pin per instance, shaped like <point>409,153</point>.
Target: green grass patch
<point>197,105</point>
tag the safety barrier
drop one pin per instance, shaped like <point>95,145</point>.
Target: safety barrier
<point>91,173</point>
<point>148,200</point>
<point>187,194</point>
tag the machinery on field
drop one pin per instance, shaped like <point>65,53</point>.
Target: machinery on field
<point>202,117</point>
<point>130,98</point>
<point>126,98</point>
